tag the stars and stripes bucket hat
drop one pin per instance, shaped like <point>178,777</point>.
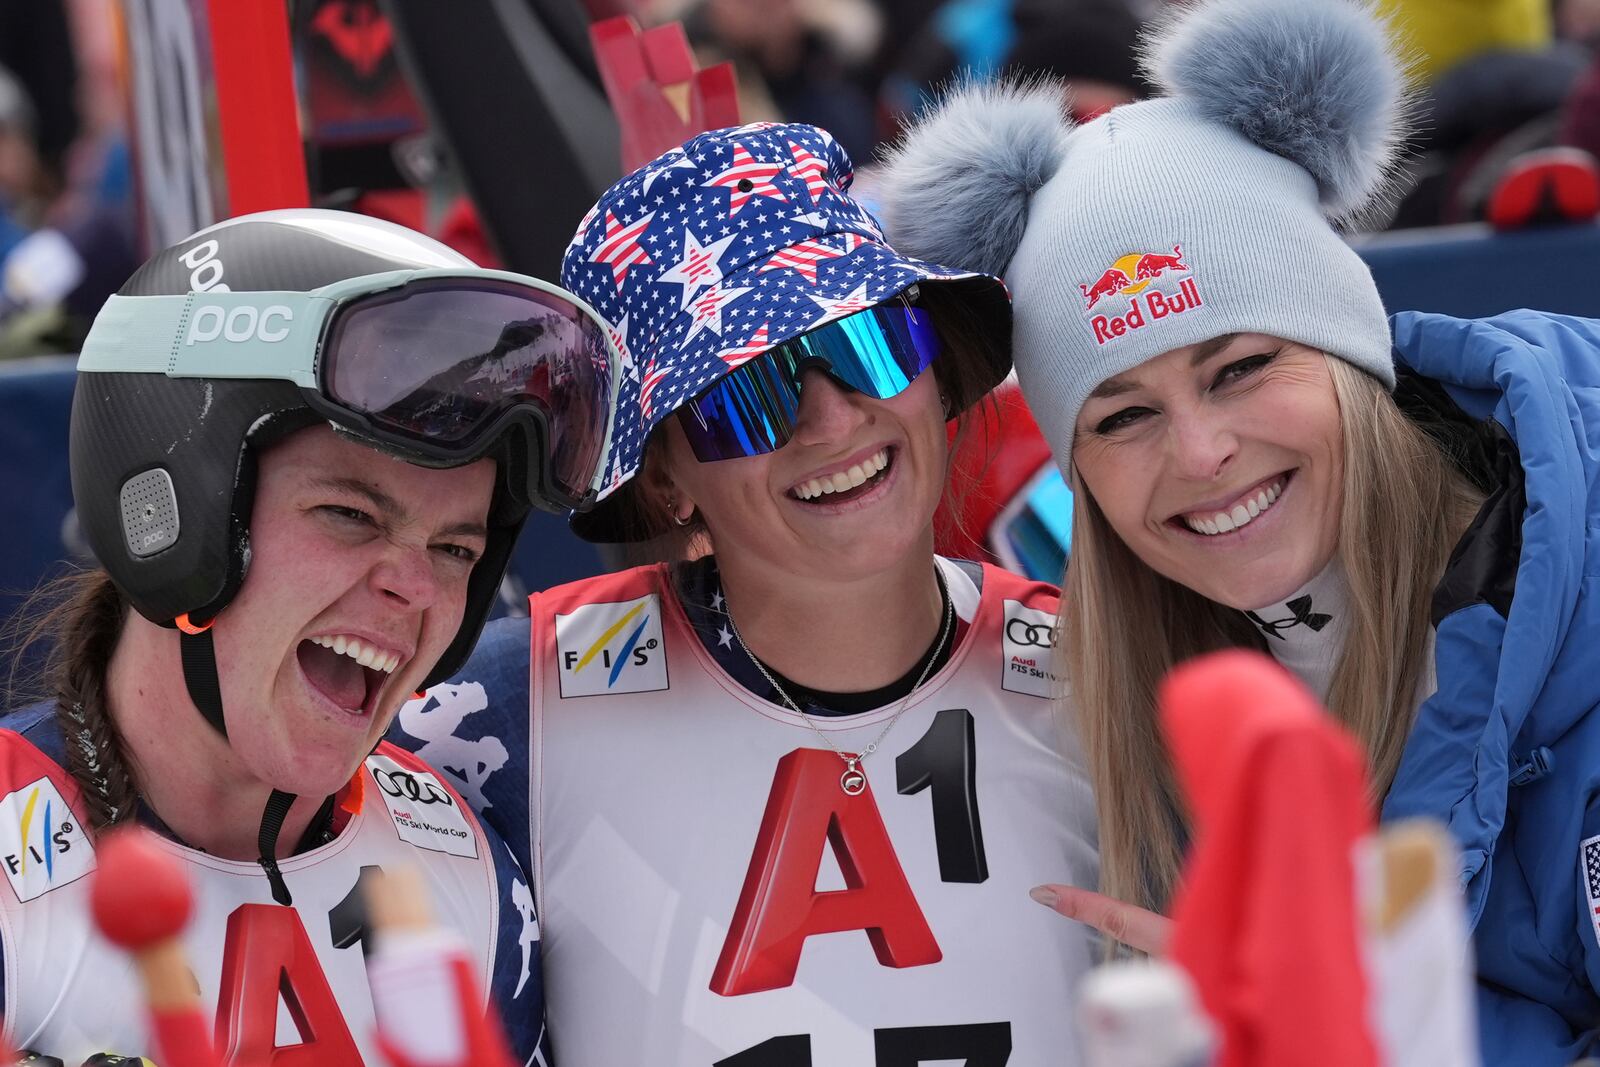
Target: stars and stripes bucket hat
<point>713,253</point>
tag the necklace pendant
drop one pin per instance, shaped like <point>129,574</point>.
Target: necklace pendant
<point>854,780</point>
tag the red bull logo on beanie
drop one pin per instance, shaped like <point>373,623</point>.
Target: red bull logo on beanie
<point>1131,276</point>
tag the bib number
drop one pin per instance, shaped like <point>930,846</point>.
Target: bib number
<point>779,906</point>
<point>974,1044</point>
<point>268,957</point>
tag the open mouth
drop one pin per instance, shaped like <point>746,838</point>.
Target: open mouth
<point>1242,513</point>
<point>856,480</point>
<point>346,670</point>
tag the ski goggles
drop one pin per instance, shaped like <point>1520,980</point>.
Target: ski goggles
<point>1032,535</point>
<point>752,409</point>
<point>434,365</point>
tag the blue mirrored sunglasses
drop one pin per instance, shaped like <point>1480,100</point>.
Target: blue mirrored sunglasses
<point>752,410</point>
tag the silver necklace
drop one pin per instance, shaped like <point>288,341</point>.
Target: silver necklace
<point>854,780</point>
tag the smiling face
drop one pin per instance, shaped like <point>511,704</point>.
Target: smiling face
<point>1220,465</point>
<point>850,495</point>
<point>357,585</point>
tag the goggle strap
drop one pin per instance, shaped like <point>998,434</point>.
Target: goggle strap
<point>134,334</point>
<point>209,335</point>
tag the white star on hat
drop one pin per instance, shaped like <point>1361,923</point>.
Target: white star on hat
<point>618,336</point>
<point>707,310</point>
<point>698,268</point>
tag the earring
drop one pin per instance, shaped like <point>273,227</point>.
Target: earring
<point>672,510</point>
<point>944,405</point>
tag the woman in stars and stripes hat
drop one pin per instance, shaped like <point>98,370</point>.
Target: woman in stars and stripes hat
<point>786,798</point>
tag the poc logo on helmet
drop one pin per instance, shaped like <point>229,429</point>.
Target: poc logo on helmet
<point>205,269</point>
<point>270,324</point>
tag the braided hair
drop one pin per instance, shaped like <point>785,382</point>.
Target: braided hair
<point>78,618</point>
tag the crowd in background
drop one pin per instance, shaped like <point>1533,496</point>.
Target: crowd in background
<point>67,215</point>
<point>1494,79</point>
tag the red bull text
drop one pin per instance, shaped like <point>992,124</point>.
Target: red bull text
<point>1132,275</point>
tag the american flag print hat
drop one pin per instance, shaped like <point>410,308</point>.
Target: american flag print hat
<point>727,246</point>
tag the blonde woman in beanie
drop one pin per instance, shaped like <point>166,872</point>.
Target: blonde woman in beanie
<point>783,798</point>
<point>1403,513</point>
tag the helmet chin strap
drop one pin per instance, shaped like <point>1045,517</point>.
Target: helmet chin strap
<point>200,674</point>
<point>199,657</point>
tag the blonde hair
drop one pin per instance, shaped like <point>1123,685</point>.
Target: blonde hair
<point>1123,626</point>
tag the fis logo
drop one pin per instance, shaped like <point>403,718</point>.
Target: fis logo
<point>41,844</point>
<point>612,648</point>
<point>1130,276</point>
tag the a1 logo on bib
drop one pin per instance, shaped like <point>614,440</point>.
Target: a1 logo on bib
<point>41,844</point>
<point>612,648</point>
<point>424,812</point>
<point>1027,644</point>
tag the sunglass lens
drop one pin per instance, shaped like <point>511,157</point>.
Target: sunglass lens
<point>878,352</point>
<point>750,412</point>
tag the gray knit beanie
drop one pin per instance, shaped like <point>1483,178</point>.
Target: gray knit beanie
<point>1210,210</point>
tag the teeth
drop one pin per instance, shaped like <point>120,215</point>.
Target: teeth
<point>1228,521</point>
<point>367,656</point>
<point>845,479</point>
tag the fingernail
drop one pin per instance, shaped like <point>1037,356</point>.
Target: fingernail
<point>1044,895</point>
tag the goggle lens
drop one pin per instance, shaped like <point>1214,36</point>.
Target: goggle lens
<point>1033,535</point>
<point>442,362</point>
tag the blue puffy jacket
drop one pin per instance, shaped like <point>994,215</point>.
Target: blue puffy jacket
<point>1507,751</point>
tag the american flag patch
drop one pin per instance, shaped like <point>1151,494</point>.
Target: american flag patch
<point>1589,868</point>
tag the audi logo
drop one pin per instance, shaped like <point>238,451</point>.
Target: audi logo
<point>405,784</point>
<point>1038,635</point>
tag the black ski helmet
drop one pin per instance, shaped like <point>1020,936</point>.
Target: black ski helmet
<point>178,455</point>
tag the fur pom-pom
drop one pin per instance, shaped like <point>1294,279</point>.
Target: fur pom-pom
<point>1318,82</point>
<point>956,188</point>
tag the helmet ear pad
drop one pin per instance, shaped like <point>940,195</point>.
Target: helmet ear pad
<point>204,434</point>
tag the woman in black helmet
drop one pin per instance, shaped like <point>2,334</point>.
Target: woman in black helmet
<point>303,444</point>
